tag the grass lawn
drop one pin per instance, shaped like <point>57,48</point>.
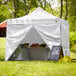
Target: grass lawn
<point>35,68</point>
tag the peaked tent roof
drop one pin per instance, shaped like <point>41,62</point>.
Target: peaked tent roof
<point>37,16</point>
<point>39,13</point>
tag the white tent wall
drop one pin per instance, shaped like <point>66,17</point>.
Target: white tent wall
<point>51,30</point>
<point>50,33</point>
<point>15,34</point>
<point>65,37</point>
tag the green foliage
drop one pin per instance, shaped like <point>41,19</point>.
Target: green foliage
<point>72,14</point>
<point>2,18</point>
<point>72,38</point>
<point>4,13</point>
<point>48,9</point>
<point>72,23</point>
<point>71,5</point>
<point>32,10</point>
<point>73,41</point>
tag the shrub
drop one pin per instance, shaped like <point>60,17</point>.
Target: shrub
<point>73,41</point>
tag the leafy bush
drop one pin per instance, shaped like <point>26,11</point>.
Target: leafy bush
<point>73,41</point>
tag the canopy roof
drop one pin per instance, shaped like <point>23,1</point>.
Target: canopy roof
<point>37,16</point>
<point>39,13</point>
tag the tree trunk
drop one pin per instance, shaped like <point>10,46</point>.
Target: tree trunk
<point>25,9</point>
<point>61,9</point>
<point>44,4</point>
<point>14,9</point>
<point>66,11</point>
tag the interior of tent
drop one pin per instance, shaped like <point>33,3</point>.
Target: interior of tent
<point>35,36</point>
<point>3,26</point>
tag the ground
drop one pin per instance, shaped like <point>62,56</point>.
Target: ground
<point>35,68</point>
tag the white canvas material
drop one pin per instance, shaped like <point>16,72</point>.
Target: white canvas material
<point>37,27</point>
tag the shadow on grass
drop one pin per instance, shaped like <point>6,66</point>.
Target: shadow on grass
<point>73,51</point>
<point>2,59</point>
<point>2,54</point>
<point>74,60</point>
<point>46,61</point>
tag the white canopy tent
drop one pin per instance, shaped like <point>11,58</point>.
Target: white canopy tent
<point>37,27</point>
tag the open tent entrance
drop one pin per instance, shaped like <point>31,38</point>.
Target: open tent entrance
<point>32,47</point>
<point>33,37</point>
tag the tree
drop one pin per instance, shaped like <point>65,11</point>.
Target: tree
<point>4,13</point>
<point>61,9</point>
<point>41,3</point>
<point>71,11</point>
<point>66,9</point>
<point>25,9</point>
<point>14,8</point>
<point>44,4</point>
<point>13,11</point>
<point>50,7</point>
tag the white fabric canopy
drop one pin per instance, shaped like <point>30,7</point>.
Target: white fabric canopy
<point>37,27</point>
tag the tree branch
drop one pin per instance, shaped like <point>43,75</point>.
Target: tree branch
<point>8,7</point>
<point>50,8</point>
<point>44,4</point>
<point>66,11</point>
<point>61,9</point>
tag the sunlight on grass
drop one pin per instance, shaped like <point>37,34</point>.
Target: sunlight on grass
<point>35,68</point>
<point>2,42</point>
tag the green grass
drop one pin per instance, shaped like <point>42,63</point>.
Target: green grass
<point>35,68</point>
